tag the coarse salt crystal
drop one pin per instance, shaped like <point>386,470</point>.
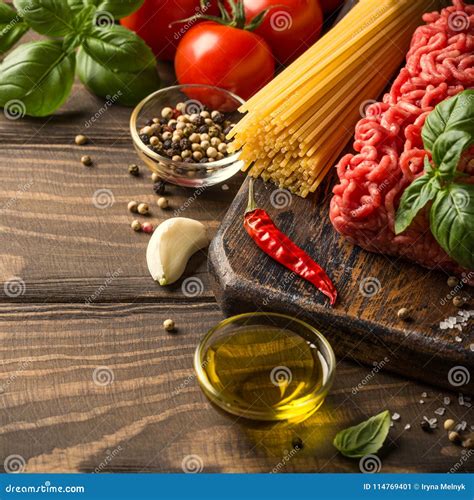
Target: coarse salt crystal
<point>408,426</point>
<point>447,401</point>
<point>396,416</point>
<point>424,394</point>
<point>440,411</point>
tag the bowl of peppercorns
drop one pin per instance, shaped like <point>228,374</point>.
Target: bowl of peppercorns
<point>182,134</point>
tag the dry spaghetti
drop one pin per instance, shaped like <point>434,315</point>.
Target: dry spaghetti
<point>296,126</point>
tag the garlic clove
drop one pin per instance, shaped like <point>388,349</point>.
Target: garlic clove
<point>171,246</point>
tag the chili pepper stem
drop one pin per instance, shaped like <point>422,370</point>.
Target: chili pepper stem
<point>251,206</point>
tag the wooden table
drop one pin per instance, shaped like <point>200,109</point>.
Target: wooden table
<point>89,379</point>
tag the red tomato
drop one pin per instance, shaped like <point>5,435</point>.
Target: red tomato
<point>152,22</point>
<point>290,27</point>
<point>231,58</point>
<point>330,5</point>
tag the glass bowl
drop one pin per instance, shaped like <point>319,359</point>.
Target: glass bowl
<point>195,98</point>
<point>265,367</point>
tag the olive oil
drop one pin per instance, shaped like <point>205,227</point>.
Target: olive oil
<point>260,369</point>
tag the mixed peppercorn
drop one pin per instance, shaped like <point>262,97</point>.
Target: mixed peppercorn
<point>189,138</point>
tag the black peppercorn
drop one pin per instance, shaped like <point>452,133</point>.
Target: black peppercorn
<point>297,443</point>
<point>190,159</point>
<point>203,160</point>
<point>425,426</point>
<point>149,122</point>
<point>218,117</point>
<point>167,144</point>
<point>159,187</point>
<point>134,170</point>
<point>203,129</point>
<point>185,143</point>
<point>157,149</point>
<point>198,120</point>
<point>227,129</point>
<point>163,121</point>
<point>145,139</point>
<point>169,152</point>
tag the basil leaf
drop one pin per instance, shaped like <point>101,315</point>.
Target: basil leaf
<point>452,222</point>
<point>448,148</point>
<point>12,27</point>
<point>365,438</point>
<point>416,196</point>
<point>119,49</point>
<point>456,113</point>
<point>37,76</point>
<point>118,8</point>
<point>48,17</point>
<point>128,88</point>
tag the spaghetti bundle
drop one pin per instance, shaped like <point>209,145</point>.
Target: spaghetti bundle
<point>297,125</point>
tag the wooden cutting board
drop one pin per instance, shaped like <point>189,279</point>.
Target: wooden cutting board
<point>363,326</point>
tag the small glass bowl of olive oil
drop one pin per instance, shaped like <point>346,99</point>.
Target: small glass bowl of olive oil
<point>265,366</point>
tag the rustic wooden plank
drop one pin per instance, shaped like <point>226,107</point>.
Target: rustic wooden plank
<point>372,288</point>
<point>65,229</point>
<point>149,413</point>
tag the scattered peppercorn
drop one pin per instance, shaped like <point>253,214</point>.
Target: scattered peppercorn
<point>80,140</point>
<point>159,187</point>
<point>143,208</point>
<point>155,178</point>
<point>448,424</point>
<point>147,227</point>
<point>162,203</point>
<point>459,301</point>
<point>425,426</point>
<point>136,225</point>
<point>133,206</point>
<point>297,443</point>
<point>454,437</point>
<point>86,160</point>
<point>468,443</point>
<point>403,314</point>
<point>134,169</point>
<point>168,325</point>
<point>453,281</point>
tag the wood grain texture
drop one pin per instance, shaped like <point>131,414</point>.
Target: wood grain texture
<point>83,299</point>
<point>372,288</point>
<point>106,381</point>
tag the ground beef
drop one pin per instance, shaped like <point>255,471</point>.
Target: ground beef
<point>440,64</point>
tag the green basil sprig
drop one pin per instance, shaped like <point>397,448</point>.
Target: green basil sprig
<point>12,27</point>
<point>365,438</point>
<point>38,76</point>
<point>447,134</point>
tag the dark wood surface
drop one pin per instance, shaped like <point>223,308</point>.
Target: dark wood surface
<point>88,305</point>
<point>372,288</point>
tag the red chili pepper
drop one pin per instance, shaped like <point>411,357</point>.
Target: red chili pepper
<point>279,247</point>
